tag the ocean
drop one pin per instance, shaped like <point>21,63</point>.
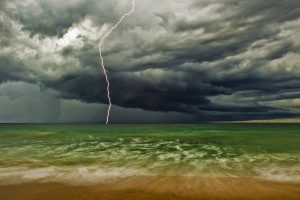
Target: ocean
<point>85,154</point>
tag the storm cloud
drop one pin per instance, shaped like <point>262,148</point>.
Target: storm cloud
<point>176,61</point>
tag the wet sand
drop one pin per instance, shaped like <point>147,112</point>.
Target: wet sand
<point>158,188</point>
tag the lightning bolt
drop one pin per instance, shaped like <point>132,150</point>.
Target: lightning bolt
<point>102,60</point>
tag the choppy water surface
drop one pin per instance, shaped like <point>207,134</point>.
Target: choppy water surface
<point>94,153</point>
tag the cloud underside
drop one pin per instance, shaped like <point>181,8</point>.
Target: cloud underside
<point>186,61</point>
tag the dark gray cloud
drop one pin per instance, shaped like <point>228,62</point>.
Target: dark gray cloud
<point>209,60</point>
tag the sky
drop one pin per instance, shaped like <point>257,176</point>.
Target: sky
<point>171,61</point>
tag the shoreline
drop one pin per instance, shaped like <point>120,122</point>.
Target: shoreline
<point>158,188</point>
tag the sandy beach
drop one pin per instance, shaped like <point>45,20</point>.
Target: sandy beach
<point>161,188</point>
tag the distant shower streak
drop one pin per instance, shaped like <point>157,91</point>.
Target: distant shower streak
<point>102,60</point>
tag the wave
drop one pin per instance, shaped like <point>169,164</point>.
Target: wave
<point>67,175</point>
<point>91,175</point>
<point>95,160</point>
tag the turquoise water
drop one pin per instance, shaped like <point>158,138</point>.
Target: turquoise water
<point>81,154</point>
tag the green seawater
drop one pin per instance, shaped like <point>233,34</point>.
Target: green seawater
<point>93,153</point>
